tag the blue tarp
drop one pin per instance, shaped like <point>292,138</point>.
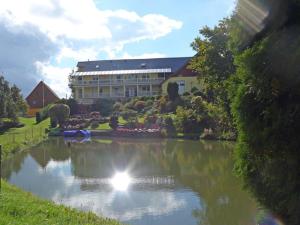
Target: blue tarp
<point>77,133</point>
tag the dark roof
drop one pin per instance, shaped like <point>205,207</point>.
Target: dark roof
<point>133,64</point>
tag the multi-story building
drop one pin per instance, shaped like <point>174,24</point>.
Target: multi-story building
<point>123,78</point>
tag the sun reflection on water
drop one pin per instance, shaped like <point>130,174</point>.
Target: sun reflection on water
<point>121,181</point>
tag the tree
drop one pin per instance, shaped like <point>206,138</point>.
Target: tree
<point>11,100</point>
<point>266,104</point>
<point>59,113</point>
<point>20,104</point>
<point>214,62</point>
<point>172,90</point>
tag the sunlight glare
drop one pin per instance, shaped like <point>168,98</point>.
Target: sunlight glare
<point>120,181</point>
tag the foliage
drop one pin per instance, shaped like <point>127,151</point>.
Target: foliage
<point>139,106</point>
<point>265,104</point>
<point>172,90</point>
<point>43,114</point>
<point>72,103</point>
<point>214,62</point>
<point>114,122</point>
<point>118,107</point>
<point>59,113</point>
<point>104,106</point>
<point>95,124</point>
<point>169,126</point>
<point>188,122</point>
<point>128,114</point>
<point>11,101</point>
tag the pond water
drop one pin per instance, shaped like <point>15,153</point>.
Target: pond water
<point>141,182</point>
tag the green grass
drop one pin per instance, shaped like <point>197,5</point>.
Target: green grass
<point>21,208</point>
<point>16,139</point>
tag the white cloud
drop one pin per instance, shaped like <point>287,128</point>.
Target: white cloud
<point>55,77</point>
<point>78,55</point>
<point>143,56</point>
<point>77,30</point>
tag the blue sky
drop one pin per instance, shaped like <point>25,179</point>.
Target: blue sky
<point>193,13</point>
<point>43,40</point>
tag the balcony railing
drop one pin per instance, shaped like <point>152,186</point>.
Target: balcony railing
<point>107,82</point>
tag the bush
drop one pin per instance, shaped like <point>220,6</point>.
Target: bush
<point>114,122</point>
<point>162,104</point>
<point>118,107</point>
<point>72,103</point>
<point>186,93</point>
<point>127,114</point>
<point>189,123</point>
<point>59,113</point>
<point>169,127</point>
<point>172,90</point>
<point>139,106</point>
<point>171,106</point>
<point>94,124</point>
<point>104,106</point>
<point>53,123</point>
<point>38,118</point>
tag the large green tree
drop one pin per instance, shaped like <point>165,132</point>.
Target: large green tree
<point>214,62</point>
<point>265,37</point>
<point>11,100</point>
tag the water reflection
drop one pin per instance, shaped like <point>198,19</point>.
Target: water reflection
<point>120,181</point>
<point>166,181</point>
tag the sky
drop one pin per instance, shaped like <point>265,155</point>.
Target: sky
<point>44,40</point>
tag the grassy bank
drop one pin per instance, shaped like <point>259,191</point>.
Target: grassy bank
<point>18,207</point>
<point>16,139</point>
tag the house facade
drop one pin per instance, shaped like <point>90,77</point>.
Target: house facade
<point>41,96</point>
<point>124,78</point>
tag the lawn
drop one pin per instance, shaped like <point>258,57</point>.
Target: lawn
<point>18,207</point>
<point>122,121</point>
<point>16,139</point>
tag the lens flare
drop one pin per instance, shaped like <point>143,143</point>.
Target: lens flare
<point>120,181</point>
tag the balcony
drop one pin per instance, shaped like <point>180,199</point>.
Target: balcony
<point>117,82</point>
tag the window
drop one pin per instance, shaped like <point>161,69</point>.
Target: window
<point>181,87</point>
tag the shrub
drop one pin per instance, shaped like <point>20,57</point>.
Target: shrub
<point>186,93</point>
<point>38,118</point>
<point>189,123</point>
<point>53,123</point>
<point>162,104</point>
<point>72,103</point>
<point>104,106</point>
<point>94,124</point>
<point>169,127</point>
<point>117,107</point>
<point>171,106</point>
<point>127,114</point>
<point>194,90</point>
<point>172,90</point>
<point>114,122</point>
<point>139,106</point>
<point>59,113</point>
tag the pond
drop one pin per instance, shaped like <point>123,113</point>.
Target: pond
<point>138,181</point>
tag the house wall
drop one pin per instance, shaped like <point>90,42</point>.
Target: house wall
<point>190,82</point>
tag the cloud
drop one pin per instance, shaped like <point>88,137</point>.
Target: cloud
<point>56,77</point>
<point>21,47</point>
<point>143,56</point>
<point>37,36</point>
<point>78,55</point>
